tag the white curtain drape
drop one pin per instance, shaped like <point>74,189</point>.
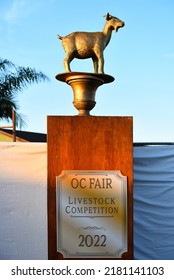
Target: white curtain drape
<point>154,202</point>
<point>23,201</point>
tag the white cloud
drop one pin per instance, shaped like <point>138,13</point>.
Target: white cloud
<point>16,10</point>
<point>22,9</point>
<point>170,55</point>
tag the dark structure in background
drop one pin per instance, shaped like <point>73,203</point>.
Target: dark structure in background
<point>22,136</point>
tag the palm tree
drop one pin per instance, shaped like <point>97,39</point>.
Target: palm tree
<point>14,79</point>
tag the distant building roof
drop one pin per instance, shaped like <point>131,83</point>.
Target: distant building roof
<point>22,136</point>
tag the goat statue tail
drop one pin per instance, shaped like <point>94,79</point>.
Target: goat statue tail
<point>59,37</point>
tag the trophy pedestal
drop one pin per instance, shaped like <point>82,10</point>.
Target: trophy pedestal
<point>89,144</point>
<point>84,87</point>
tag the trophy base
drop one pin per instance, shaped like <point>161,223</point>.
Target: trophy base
<point>84,87</point>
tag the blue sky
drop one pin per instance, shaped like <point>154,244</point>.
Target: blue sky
<point>140,56</point>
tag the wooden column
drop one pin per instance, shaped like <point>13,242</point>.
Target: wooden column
<point>88,143</point>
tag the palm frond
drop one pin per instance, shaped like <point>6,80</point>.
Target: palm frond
<point>6,106</point>
<point>21,120</point>
<point>5,64</point>
<point>14,79</point>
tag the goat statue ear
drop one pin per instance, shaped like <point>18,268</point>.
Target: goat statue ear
<point>107,16</point>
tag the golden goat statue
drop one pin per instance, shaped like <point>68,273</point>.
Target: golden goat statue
<point>90,44</point>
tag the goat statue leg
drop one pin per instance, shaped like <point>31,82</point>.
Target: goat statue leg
<point>101,64</point>
<point>95,62</point>
<point>68,58</point>
<point>100,58</point>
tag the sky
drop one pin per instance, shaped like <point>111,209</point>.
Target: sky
<point>140,57</point>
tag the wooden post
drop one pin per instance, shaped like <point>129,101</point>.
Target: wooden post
<point>88,143</point>
<point>14,125</point>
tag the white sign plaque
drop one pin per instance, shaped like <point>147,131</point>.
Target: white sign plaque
<point>91,214</point>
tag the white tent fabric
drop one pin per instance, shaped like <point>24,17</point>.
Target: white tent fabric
<point>154,202</point>
<point>23,201</point>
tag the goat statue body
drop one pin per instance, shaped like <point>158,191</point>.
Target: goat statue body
<point>84,45</point>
